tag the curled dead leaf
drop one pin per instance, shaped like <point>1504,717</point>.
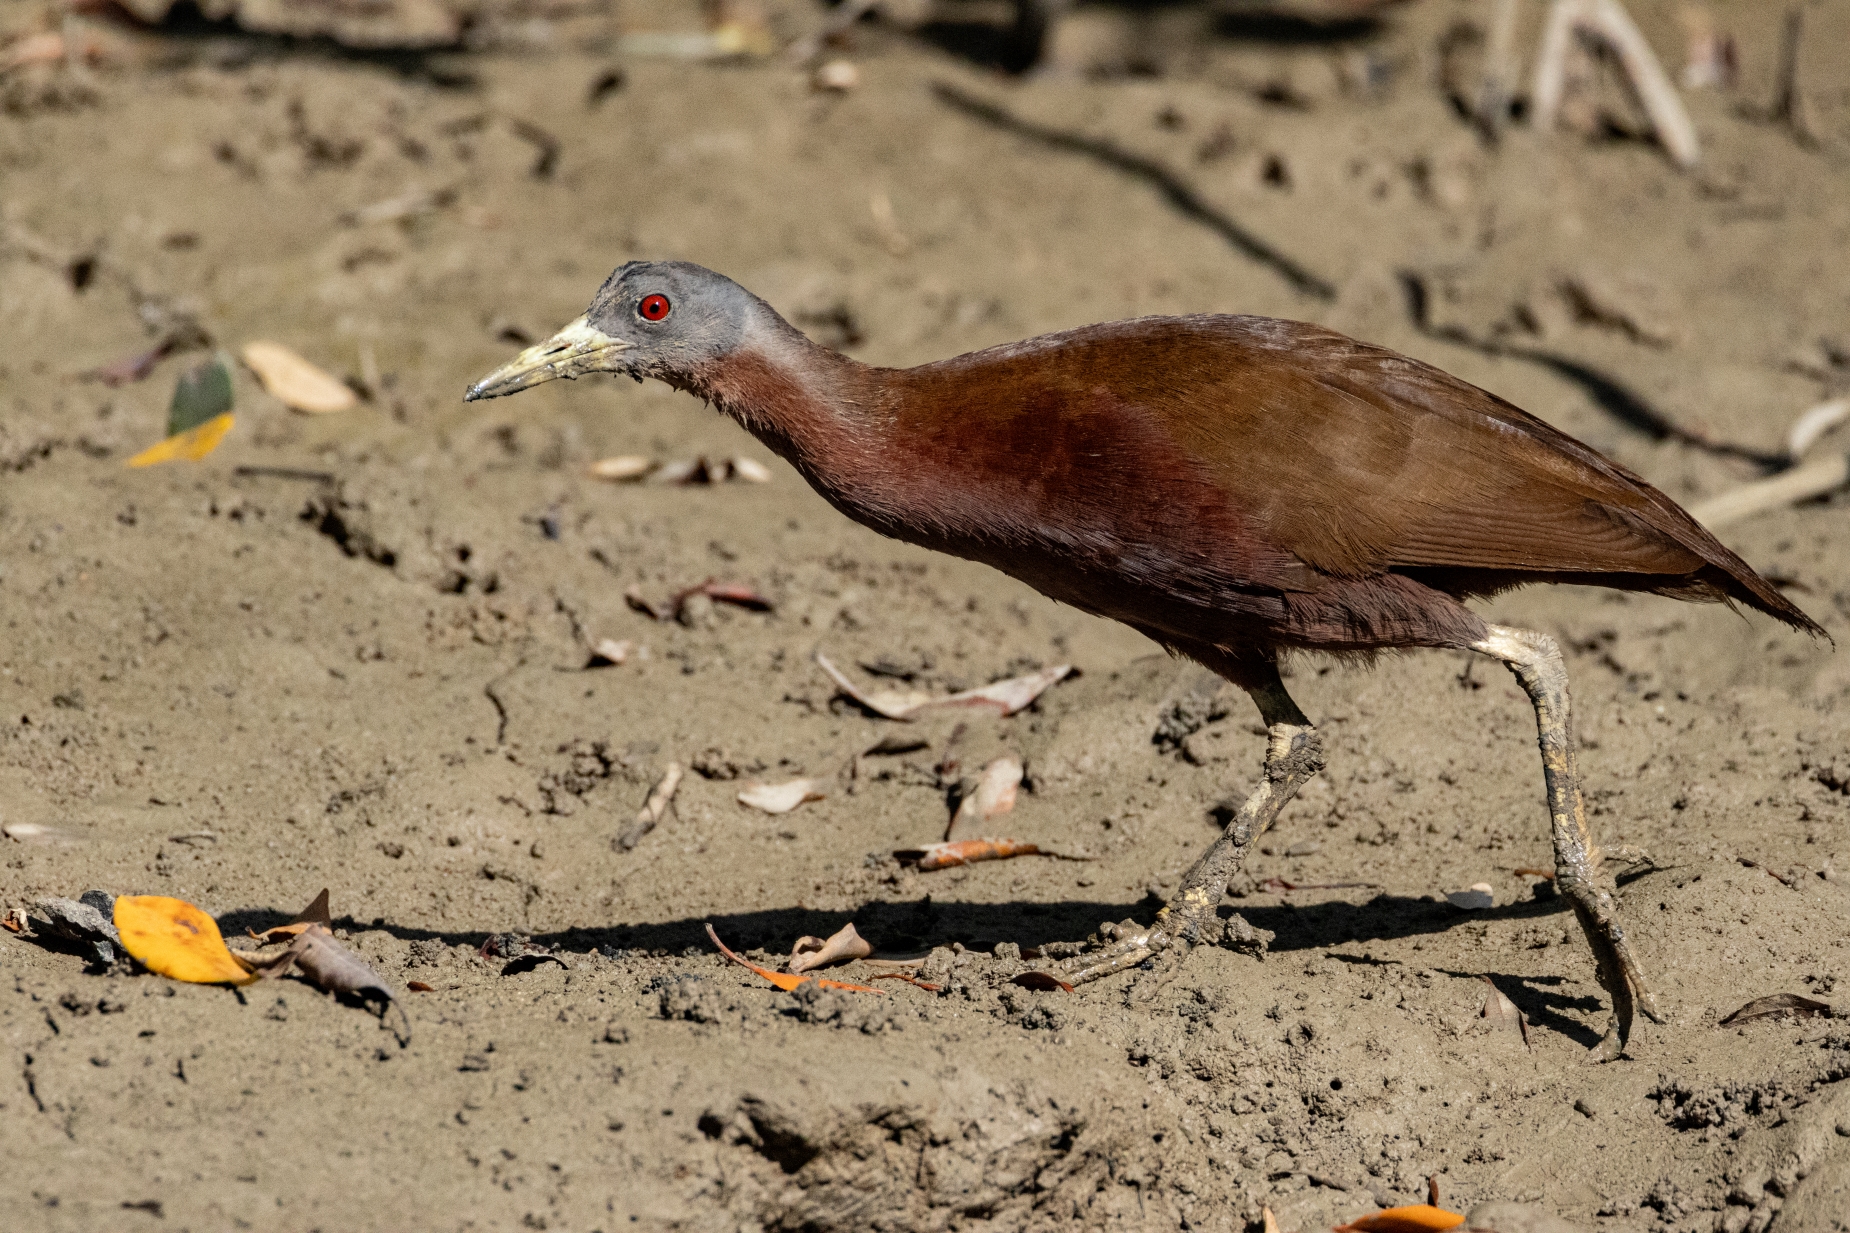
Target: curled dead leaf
<point>843,945</point>
<point>418,986</point>
<point>1004,697</point>
<point>172,938</point>
<point>783,980</point>
<point>295,382</point>
<point>777,798</point>
<point>318,955</point>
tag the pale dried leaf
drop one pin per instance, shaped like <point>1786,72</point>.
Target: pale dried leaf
<point>621,467</point>
<point>781,797</point>
<point>750,470</point>
<point>993,796</point>
<point>1004,697</point>
<point>841,947</point>
<point>612,650</point>
<point>295,382</point>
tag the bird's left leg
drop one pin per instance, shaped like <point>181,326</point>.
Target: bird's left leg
<point>1294,755</point>
<point>1579,873</point>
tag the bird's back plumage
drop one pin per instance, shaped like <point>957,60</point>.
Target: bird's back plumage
<point>1230,480</point>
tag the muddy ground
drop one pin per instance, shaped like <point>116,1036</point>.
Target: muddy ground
<point>350,651</point>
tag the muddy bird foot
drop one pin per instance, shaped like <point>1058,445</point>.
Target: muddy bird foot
<point>1161,948</point>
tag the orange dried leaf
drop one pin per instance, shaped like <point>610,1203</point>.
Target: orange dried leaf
<point>964,852</point>
<point>175,939</point>
<point>418,986</point>
<point>1419,1218</point>
<point>190,446</point>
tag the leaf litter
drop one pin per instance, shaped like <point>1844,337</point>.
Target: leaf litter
<point>1780,1006</point>
<point>172,938</point>
<point>294,382</point>
<point>1004,697</point>
<point>785,980</point>
<point>780,798</point>
<point>198,417</point>
<point>843,946</point>
<point>993,795</point>
<point>312,949</point>
<point>742,594</point>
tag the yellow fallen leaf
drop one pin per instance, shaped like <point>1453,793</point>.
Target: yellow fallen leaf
<point>295,382</point>
<point>191,445</point>
<point>173,938</point>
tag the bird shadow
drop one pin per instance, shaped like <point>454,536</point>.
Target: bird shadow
<point>1019,45</point>
<point>1179,194</point>
<point>1540,1007</point>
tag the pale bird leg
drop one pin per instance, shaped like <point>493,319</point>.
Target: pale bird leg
<point>1579,876</point>
<point>1294,755</point>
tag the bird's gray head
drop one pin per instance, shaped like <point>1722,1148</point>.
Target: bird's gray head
<point>664,319</point>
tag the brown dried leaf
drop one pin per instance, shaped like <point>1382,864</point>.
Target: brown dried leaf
<point>332,967</point>
<point>1780,1005</point>
<point>841,947</point>
<point>1044,981</point>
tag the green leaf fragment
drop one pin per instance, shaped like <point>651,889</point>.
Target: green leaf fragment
<point>202,392</point>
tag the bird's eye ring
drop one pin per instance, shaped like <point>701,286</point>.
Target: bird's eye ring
<point>653,307</point>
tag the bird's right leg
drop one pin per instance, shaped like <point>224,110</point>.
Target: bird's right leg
<point>1580,876</point>
<point>1294,754</point>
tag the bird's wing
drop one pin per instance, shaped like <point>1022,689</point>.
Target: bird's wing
<point>1357,460</point>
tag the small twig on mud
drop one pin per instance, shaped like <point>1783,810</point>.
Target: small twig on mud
<point>1778,877</point>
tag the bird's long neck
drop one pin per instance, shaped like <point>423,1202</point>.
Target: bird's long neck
<point>818,410</point>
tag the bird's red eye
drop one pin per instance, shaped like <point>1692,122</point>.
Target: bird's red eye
<point>653,307</point>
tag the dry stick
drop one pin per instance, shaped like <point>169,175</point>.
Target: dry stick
<point>653,808</point>
<point>1608,20</point>
<point>1806,430</point>
<point>1814,479</point>
<point>1789,101</point>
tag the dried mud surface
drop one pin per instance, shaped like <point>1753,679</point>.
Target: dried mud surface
<point>348,651</point>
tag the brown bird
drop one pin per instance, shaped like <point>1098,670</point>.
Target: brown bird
<point>1236,488</point>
